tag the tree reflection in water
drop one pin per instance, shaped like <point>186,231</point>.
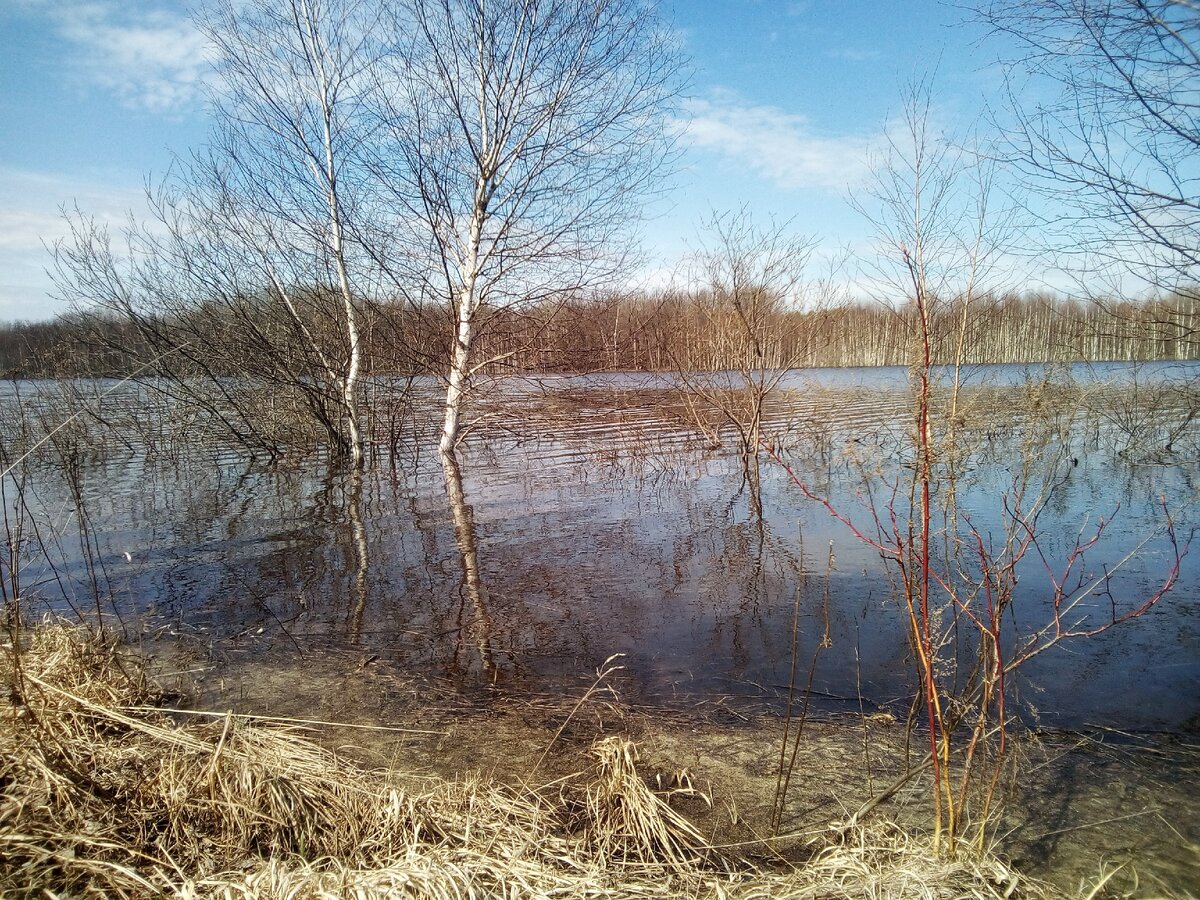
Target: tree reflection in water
<point>358,531</point>
<point>473,588</point>
<point>606,531</point>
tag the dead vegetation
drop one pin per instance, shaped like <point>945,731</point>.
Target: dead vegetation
<point>105,791</point>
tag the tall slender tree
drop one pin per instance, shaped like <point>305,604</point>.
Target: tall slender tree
<point>252,267</point>
<point>524,138</point>
<point>288,161</point>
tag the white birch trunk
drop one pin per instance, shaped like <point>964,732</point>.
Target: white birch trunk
<point>349,380</point>
<point>465,307</point>
<point>456,388</point>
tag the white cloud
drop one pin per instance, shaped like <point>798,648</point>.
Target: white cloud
<point>151,58</point>
<point>778,145</point>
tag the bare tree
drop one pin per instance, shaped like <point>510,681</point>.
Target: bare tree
<point>1116,140</point>
<point>524,139</point>
<point>941,238</point>
<point>292,115</point>
<point>940,241</point>
<point>748,285</point>
<point>250,267</point>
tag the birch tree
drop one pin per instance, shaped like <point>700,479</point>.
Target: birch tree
<point>251,267</point>
<point>748,283</point>
<point>524,136</point>
<point>291,127</point>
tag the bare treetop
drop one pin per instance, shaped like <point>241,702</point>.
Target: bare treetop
<point>523,139</point>
<point>1114,133</point>
<point>527,135</point>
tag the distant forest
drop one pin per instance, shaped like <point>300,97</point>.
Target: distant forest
<point>664,332</point>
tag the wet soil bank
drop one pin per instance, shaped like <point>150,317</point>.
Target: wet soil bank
<point>1078,806</point>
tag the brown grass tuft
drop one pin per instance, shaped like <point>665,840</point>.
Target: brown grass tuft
<point>102,794</point>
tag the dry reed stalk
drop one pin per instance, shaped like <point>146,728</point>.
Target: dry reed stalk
<point>627,820</point>
<point>102,794</point>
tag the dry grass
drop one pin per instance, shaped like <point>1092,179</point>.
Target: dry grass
<point>100,797</point>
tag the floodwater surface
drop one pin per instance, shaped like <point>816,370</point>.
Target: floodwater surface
<point>613,514</point>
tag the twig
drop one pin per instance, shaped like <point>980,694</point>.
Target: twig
<point>1068,830</point>
<point>602,673</point>
<point>284,720</point>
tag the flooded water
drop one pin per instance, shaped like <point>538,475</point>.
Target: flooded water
<point>594,516</point>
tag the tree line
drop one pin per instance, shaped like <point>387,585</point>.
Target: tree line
<point>662,332</point>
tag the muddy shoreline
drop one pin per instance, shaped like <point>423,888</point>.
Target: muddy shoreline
<point>1076,805</point>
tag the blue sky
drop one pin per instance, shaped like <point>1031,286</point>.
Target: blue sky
<point>788,102</point>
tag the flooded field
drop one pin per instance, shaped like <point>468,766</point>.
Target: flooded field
<point>596,518</point>
<point>613,515</point>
